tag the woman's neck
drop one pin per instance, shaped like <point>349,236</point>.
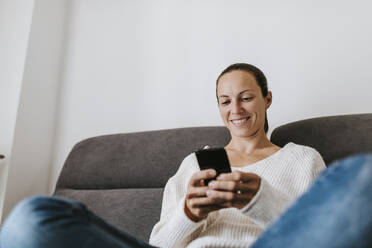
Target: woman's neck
<point>250,145</point>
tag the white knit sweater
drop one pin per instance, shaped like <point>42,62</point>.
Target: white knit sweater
<point>285,175</point>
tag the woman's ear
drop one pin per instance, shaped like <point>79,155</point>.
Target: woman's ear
<point>268,99</point>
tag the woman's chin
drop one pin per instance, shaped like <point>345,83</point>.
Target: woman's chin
<point>242,132</point>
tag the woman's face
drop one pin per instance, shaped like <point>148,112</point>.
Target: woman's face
<point>241,104</point>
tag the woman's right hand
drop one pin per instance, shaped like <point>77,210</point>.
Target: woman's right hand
<point>197,204</point>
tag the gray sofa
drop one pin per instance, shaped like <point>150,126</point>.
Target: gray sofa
<point>121,176</point>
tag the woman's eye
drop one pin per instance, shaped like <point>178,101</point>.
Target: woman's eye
<point>247,99</point>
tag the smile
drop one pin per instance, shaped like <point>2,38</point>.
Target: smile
<point>241,121</point>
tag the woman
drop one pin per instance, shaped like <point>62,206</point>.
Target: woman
<point>234,209</point>
<point>264,181</point>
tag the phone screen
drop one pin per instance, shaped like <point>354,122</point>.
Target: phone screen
<point>213,158</point>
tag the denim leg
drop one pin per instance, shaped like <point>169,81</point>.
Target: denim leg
<point>45,222</point>
<point>335,212</point>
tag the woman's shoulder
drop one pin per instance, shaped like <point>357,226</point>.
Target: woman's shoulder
<point>305,154</point>
<point>190,158</point>
<point>299,147</point>
<point>307,157</point>
<point>301,151</point>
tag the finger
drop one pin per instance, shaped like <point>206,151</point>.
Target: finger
<point>228,199</point>
<point>204,211</point>
<point>200,202</point>
<point>224,185</point>
<point>201,175</point>
<point>251,186</point>
<point>196,192</point>
<point>218,197</point>
<point>238,176</point>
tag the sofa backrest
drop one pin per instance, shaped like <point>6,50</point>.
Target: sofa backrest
<point>121,176</point>
<point>335,137</point>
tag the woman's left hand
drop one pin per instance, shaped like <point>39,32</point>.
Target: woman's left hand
<point>235,189</point>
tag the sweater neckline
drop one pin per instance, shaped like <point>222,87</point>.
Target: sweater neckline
<point>265,159</point>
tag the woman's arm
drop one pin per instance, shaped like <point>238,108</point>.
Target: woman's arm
<point>175,229</point>
<point>257,198</point>
<point>270,202</point>
<point>267,204</point>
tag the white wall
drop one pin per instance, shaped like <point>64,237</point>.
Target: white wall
<point>32,148</point>
<point>15,19</point>
<point>144,65</point>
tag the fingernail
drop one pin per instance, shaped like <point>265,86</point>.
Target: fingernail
<point>212,173</point>
<point>212,184</point>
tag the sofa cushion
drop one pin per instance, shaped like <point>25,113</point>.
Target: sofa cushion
<point>134,211</point>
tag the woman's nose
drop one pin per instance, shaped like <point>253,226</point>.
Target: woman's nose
<point>236,108</point>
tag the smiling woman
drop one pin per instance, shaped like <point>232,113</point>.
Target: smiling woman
<point>243,98</point>
<point>259,189</point>
<point>256,75</point>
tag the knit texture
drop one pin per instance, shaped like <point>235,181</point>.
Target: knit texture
<point>285,175</point>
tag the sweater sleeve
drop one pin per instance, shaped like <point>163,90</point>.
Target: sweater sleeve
<point>175,229</point>
<point>267,204</point>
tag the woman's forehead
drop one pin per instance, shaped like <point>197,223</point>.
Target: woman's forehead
<point>236,82</point>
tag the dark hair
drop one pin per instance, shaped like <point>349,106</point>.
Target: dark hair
<point>258,75</point>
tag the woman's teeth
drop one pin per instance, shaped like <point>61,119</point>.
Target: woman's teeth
<point>240,121</point>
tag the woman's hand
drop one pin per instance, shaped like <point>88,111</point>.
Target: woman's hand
<point>234,189</point>
<point>197,204</point>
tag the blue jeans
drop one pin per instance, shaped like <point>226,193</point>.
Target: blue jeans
<point>335,212</point>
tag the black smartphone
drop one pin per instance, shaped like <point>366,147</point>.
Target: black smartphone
<point>213,158</point>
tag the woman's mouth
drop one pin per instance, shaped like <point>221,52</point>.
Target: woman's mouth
<point>240,121</point>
